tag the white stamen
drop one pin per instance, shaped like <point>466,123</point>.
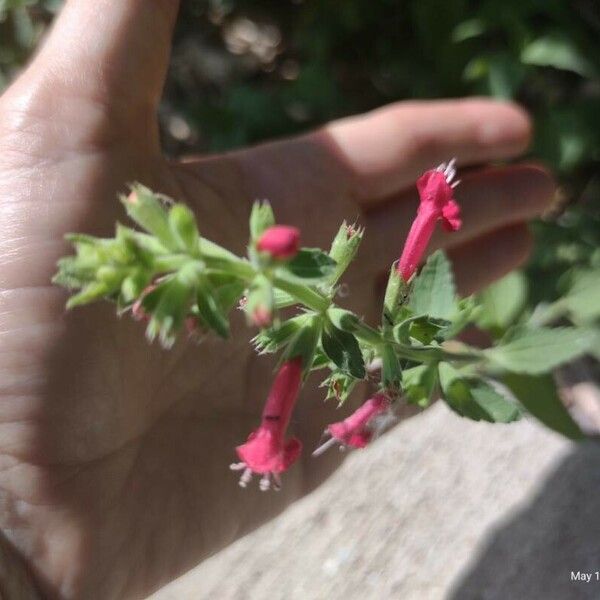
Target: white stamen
<point>246,478</point>
<point>237,466</point>
<point>323,447</point>
<point>453,185</point>
<point>265,483</point>
<point>276,481</point>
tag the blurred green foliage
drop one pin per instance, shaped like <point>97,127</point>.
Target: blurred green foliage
<point>246,70</point>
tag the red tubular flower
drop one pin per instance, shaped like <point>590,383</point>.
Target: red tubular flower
<point>435,192</point>
<point>280,241</point>
<point>355,431</point>
<point>266,452</point>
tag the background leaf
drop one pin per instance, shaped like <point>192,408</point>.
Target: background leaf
<point>536,351</point>
<point>538,395</point>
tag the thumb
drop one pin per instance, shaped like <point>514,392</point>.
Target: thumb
<point>113,52</point>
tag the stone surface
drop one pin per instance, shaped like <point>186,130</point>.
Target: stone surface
<point>439,508</point>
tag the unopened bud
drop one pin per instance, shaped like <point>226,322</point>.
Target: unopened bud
<point>280,241</point>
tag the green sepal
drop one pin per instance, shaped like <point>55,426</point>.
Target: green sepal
<point>260,297</point>
<point>168,305</point>
<point>396,294</point>
<point>344,248</point>
<point>304,342</point>
<point>339,386</point>
<point>391,371</point>
<point>209,308</point>
<point>261,218</point>
<point>273,339</point>
<point>184,229</point>
<point>148,210</point>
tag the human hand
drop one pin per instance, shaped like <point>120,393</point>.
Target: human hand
<point>114,454</point>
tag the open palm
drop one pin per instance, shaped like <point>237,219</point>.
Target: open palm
<point>114,453</point>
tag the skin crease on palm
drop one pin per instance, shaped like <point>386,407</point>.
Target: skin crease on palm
<point>114,454</point>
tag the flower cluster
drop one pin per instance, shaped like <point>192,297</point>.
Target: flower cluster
<point>173,280</point>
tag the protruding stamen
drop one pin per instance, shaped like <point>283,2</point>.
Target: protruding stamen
<point>455,183</point>
<point>276,481</point>
<point>324,447</point>
<point>265,483</point>
<point>237,466</point>
<point>246,478</point>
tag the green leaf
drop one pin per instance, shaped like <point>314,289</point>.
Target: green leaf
<point>261,218</point>
<point>343,349</point>
<point>469,29</point>
<point>433,291</point>
<point>419,384</point>
<point>421,328</point>
<point>310,265</point>
<point>343,319</point>
<point>474,398</point>
<point>533,351</point>
<point>502,302</point>
<point>583,298</point>
<point>209,309</point>
<point>539,396</point>
<point>560,52</point>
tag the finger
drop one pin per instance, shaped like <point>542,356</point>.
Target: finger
<point>112,51</point>
<point>384,151</point>
<point>489,199</point>
<point>482,260</point>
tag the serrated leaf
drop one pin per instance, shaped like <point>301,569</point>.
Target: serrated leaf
<point>433,292</point>
<point>502,302</point>
<point>343,349</point>
<point>310,265</point>
<point>539,396</point>
<point>474,398</point>
<point>535,351</point>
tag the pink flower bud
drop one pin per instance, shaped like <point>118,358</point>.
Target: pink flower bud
<point>355,431</point>
<point>280,241</point>
<point>436,202</point>
<point>266,452</point>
